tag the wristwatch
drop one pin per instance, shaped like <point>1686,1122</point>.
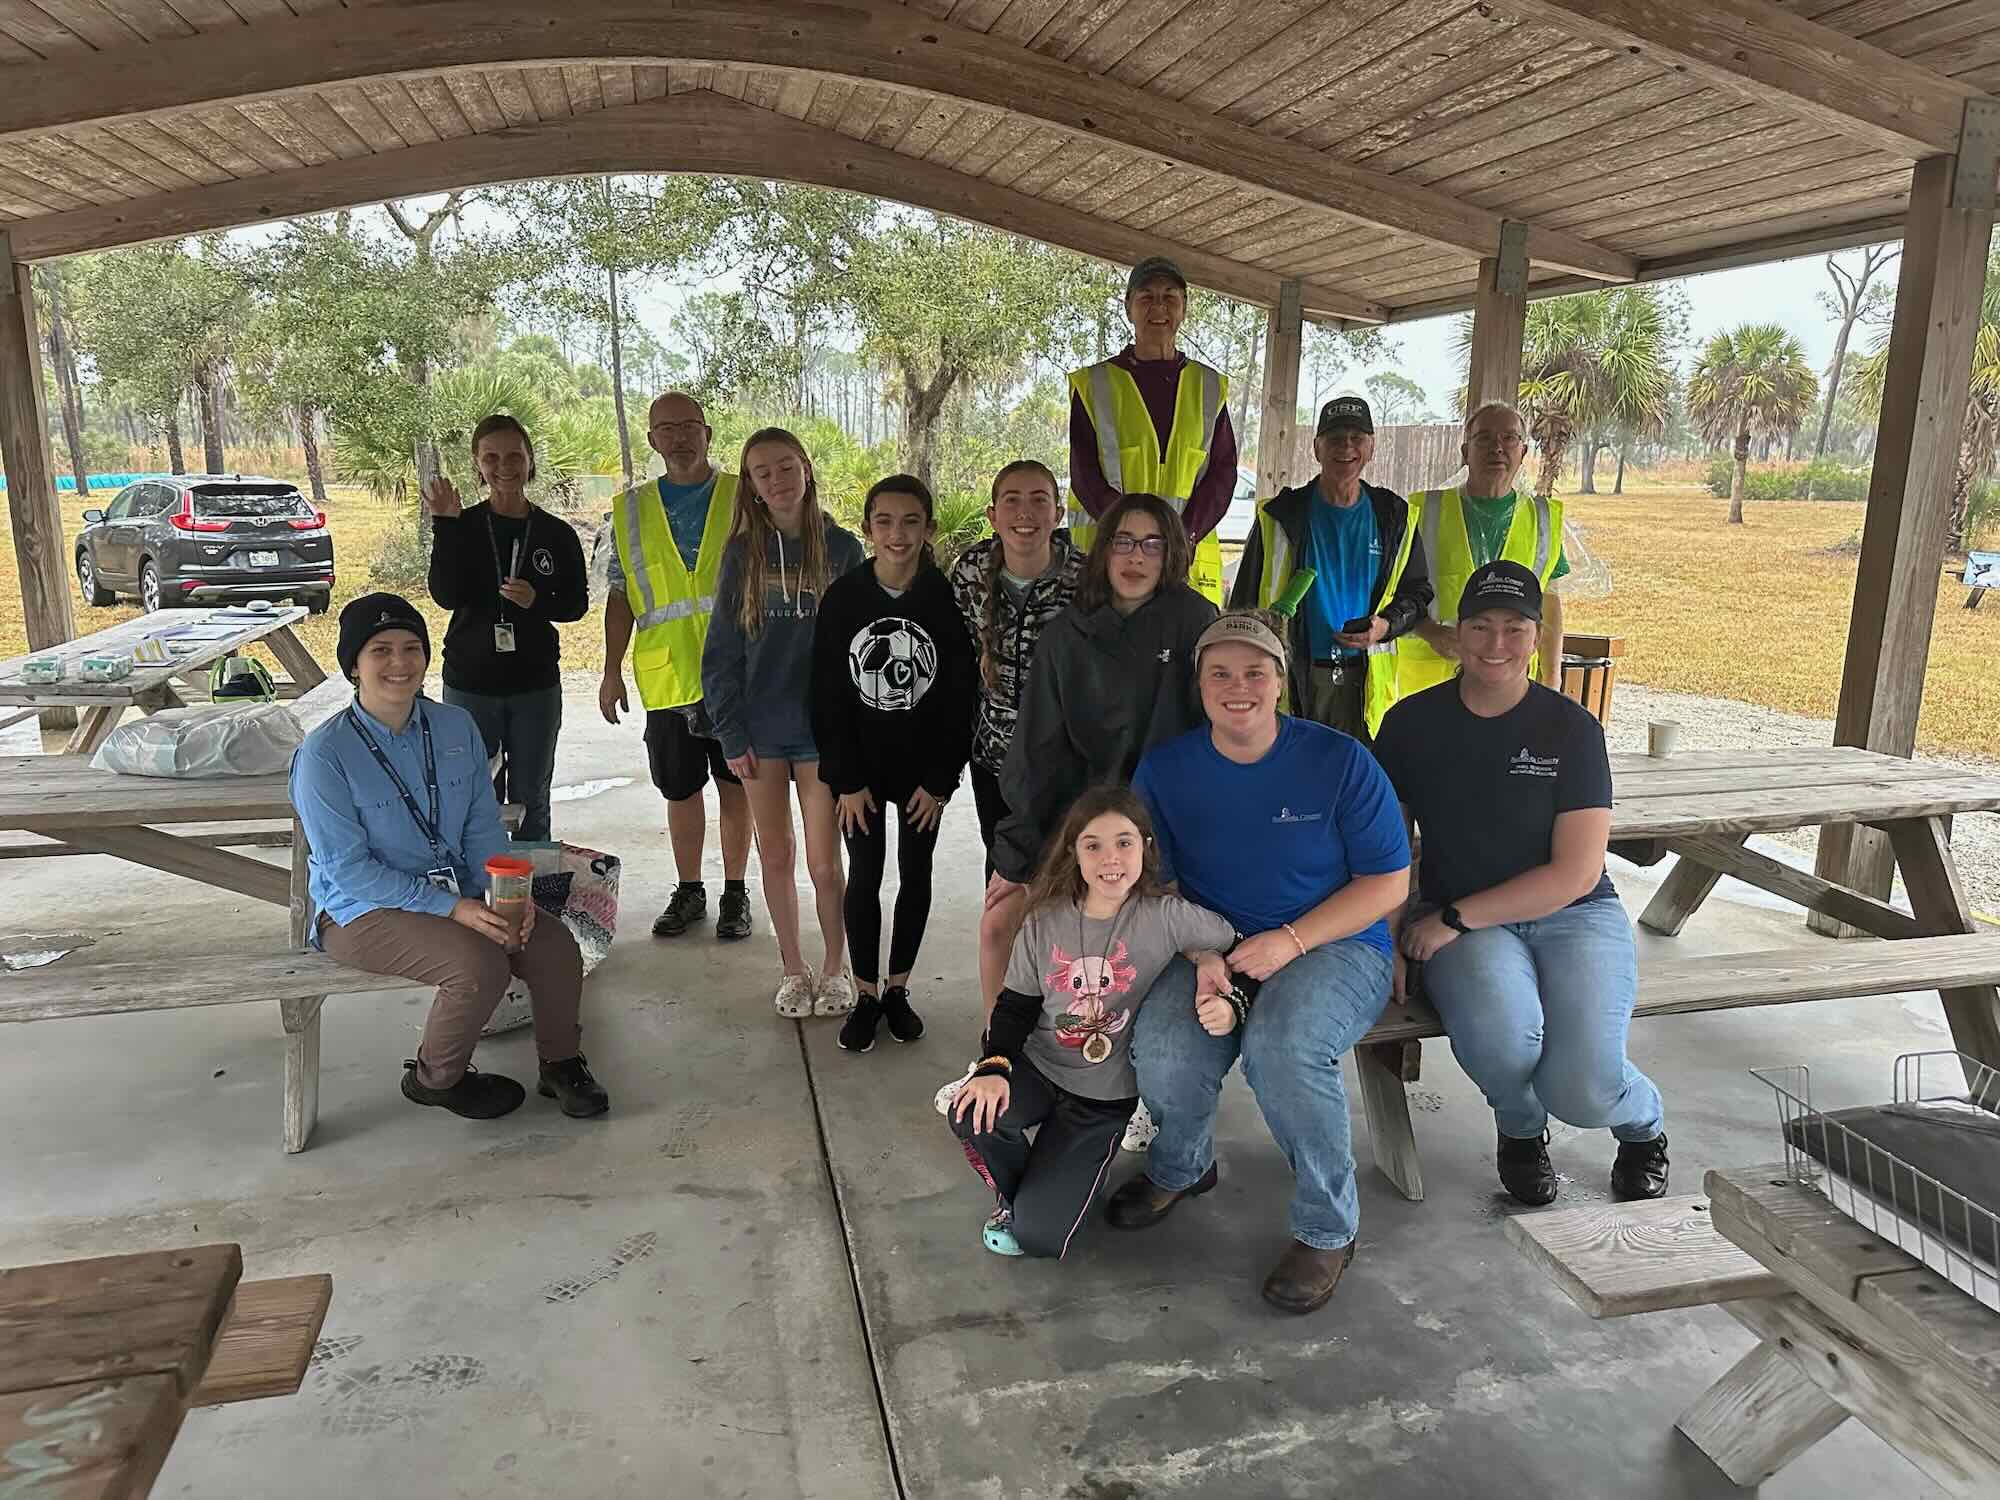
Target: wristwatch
<point>1450,917</point>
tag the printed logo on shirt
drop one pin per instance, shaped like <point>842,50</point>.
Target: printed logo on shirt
<point>1525,764</point>
<point>1166,653</point>
<point>1286,815</point>
<point>1087,1025</point>
<point>545,562</point>
<point>892,663</point>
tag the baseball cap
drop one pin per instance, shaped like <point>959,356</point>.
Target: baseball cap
<point>370,615</point>
<point>1152,267</point>
<point>1345,412</point>
<point>1501,585</point>
<point>1241,628</point>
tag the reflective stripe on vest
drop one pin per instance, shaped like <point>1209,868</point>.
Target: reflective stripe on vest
<point>670,606</point>
<point>1534,540</point>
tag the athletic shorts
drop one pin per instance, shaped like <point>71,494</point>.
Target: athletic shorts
<point>681,760</point>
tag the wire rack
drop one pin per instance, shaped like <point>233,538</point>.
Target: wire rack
<point>1954,1236</point>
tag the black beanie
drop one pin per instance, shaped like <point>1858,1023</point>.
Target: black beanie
<point>370,615</point>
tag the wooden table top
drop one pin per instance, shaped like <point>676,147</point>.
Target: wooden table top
<point>1763,791</point>
<point>54,790</point>
<point>124,637</point>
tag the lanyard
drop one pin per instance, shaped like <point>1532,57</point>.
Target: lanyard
<point>520,545</point>
<point>427,826</point>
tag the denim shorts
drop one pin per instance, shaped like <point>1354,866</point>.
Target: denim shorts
<point>803,750</point>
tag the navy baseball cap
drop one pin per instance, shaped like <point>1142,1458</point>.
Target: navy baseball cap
<point>1345,414</point>
<point>1501,585</point>
<point>1151,269</point>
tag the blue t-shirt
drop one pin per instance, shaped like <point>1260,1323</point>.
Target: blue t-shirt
<point>1263,844</point>
<point>687,514</point>
<point>1344,547</point>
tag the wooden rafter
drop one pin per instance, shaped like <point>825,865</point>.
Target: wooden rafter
<point>1770,56</point>
<point>693,132</point>
<point>869,41</point>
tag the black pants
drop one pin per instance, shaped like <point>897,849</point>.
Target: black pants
<point>523,728</point>
<point>1052,1182</point>
<point>992,807</point>
<point>867,854</point>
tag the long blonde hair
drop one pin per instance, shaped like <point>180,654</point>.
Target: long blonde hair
<point>753,528</point>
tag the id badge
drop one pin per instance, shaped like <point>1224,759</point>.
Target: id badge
<point>444,878</point>
<point>503,635</point>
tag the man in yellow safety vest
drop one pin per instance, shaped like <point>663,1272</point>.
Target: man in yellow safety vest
<point>1149,420</point>
<point>668,536</point>
<point>1483,520</point>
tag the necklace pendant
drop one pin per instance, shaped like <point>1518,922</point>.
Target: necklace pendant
<point>1097,1048</point>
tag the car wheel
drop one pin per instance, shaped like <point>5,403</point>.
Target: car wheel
<point>318,604</point>
<point>86,574</point>
<point>149,588</point>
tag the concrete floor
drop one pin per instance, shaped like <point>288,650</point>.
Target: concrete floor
<point>664,1303</point>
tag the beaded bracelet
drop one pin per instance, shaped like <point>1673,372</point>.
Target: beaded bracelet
<point>1296,940</point>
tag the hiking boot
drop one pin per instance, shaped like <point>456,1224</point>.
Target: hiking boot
<point>1304,1278</point>
<point>1525,1170</point>
<point>1141,1205</point>
<point>905,1025</point>
<point>476,1096</point>
<point>857,1034</point>
<point>1640,1170</point>
<point>732,918</point>
<point>568,1081</point>
<point>688,906</point>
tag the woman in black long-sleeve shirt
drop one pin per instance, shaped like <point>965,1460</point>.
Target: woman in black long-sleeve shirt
<point>508,571</point>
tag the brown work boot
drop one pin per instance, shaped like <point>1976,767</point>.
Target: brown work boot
<point>1141,1205</point>
<point>1304,1278</point>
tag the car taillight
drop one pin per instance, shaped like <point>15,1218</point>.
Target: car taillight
<point>309,523</point>
<point>185,519</point>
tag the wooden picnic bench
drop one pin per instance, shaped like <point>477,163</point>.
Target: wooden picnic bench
<point>209,635</point>
<point>1847,1323</point>
<point>1702,807</point>
<point>106,1356</point>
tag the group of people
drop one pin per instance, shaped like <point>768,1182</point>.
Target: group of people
<point>1198,824</point>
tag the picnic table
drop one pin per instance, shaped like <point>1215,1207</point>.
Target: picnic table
<point>207,636</point>
<point>106,1356</point>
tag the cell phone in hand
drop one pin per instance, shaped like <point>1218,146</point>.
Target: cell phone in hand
<point>1358,626</point>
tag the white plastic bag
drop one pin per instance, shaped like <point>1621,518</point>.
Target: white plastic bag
<point>243,739</point>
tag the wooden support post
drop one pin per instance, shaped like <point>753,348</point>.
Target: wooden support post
<point>31,482</point>
<point>1278,462</point>
<point>1938,290</point>
<point>1680,895</point>
<point>301,1017</point>
<point>1380,1069</point>
<point>1924,852</point>
<point>1760,1416</point>
<point>1499,321</point>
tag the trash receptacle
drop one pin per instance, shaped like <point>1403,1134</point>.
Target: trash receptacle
<point>1590,671</point>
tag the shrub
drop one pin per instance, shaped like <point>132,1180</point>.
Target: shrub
<point>1982,514</point>
<point>1824,479</point>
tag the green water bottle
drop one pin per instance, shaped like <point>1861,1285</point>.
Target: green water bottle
<point>1287,604</point>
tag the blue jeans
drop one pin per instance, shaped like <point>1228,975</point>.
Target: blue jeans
<point>523,726</point>
<point>1537,1013</point>
<point>1307,1014</point>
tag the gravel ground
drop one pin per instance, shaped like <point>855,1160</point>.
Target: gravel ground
<point>1721,724</point>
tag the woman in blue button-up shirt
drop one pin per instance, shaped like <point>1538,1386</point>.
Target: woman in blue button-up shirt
<point>397,805</point>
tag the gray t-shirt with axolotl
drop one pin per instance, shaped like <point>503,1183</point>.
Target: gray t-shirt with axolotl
<point>1091,974</point>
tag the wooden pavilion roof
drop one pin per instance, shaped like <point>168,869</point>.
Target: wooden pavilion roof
<point>1370,149</point>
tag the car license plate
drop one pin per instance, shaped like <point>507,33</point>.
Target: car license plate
<point>263,559</point>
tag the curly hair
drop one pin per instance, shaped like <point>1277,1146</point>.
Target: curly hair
<point>1059,880</point>
<point>1094,590</point>
<point>753,529</point>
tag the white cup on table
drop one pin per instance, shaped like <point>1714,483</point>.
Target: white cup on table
<point>1663,738</point>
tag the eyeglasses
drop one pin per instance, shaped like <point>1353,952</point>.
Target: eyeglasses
<point>1125,544</point>
<point>679,429</point>
<point>1497,440</point>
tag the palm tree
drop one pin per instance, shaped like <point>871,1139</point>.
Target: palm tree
<point>1752,381</point>
<point>1593,362</point>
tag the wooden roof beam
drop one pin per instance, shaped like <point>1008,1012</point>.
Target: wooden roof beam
<point>1773,57</point>
<point>871,41</point>
<point>692,132</point>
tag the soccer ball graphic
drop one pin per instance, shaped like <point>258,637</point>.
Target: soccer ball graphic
<point>892,662</point>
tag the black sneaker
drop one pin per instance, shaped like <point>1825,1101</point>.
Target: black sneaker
<point>476,1096</point>
<point>688,906</point>
<point>905,1025</point>
<point>568,1080</point>
<point>1640,1170</point>
<point>732,920</point>
<point>857,1033</point>
<point>1525,1170</point>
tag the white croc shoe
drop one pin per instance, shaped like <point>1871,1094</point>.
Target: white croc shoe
<point>835,995</point>
<point>949,1093</point>
<point>1139,1130</point>
<point>795,996</point>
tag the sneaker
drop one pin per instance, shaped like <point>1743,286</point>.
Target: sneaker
<point>476,1096</point>
<point>858,1033</point>
<point>998,1235</point>
<point>568,1081</point>
<point>905,1025</point>
<point>948,1095</point>
<point>835,996</point>
<point>1139,1130</point>
<point>732,918</point>
<point>795,996</point>
<point>1525,1170</point>
<point>688,906</point>
<point>1640,1170</point>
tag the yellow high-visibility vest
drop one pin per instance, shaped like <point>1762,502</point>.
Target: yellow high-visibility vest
<point>1534,540</point>
<point>1128,449</point>
<point>670,606</point>
<point>1381,687</point>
